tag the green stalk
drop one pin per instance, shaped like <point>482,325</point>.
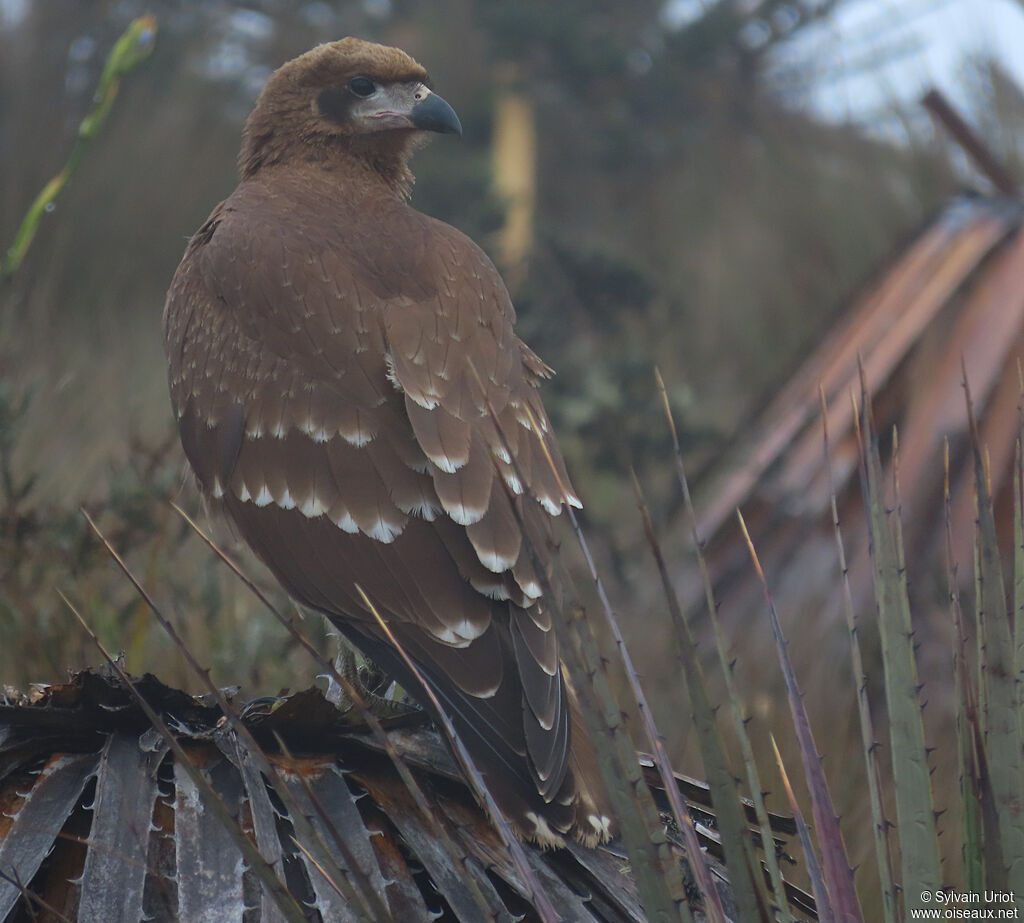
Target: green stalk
<point>133,47</point>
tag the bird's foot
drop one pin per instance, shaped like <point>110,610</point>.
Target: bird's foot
<point>378,691</point>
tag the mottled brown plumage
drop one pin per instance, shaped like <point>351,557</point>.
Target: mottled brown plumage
<point>322,338</point>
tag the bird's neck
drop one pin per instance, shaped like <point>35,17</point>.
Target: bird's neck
<point>371,161</point>
<point>373,164</point>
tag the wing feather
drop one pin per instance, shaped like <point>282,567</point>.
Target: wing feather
<point>444,438</point>
<point>339,389</point>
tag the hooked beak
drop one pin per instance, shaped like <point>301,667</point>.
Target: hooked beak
<point>434,114</point>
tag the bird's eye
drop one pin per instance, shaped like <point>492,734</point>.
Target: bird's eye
<point>362,87</point>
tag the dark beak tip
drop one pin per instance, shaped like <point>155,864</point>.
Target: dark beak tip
<point>434,114</point>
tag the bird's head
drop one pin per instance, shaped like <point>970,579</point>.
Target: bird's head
<point>345,98</point>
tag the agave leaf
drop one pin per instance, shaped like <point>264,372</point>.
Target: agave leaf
<point>973,835</point>
<point>642,830</point>
<point>1018,567</point>
<point>883,856</point>
<point>452,882</point>
<point>38,821</point>
<point>357,897</point>
<point>205,856</point>
<point>991,858</point>
<point>842,893</point>
<point>1000,716</point>
<point>736,709</point>
<point>824,907</point>
<point>212,802</point>
<point>608,878</point>
<point>744,874</point>
<point>115,865</point>
<point>328,805</point>
<point>966,715</point>
<point>915,815</point>
<point>264,826</point>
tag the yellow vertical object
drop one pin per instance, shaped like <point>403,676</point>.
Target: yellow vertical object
<point>514,162</point>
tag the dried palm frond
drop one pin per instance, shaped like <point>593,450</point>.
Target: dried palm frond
<point>98,821</point>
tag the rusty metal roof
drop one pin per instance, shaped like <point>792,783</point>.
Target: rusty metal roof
<point>950,304</point>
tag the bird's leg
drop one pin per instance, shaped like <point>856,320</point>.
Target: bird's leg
<point>345,666</point>
<point>384,697</point>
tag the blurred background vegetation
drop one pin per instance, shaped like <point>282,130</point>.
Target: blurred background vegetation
<point>650,177</point>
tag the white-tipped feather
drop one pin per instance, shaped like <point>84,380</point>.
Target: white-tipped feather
<point>491,590</point>
<point>464,515</point>
<point>449,636</point>
<point>357,437</point>
<point>542,832</point>
<point>494,562</point>
<point>514,484</point>
<point>422,508</point>
<point>550,505</point>
<point>532,589</point>
<point>346,523</point>
<point>460,634</point>
<point>313,507</point>
<point>316,431</point>
<point>469,630</point>
<point>384,532</point>
<point>446,464</point>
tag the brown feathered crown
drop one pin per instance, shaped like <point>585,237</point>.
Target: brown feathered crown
<point>303,111</point>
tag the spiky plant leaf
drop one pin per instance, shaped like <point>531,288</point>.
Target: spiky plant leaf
<point>880,826</point>
<point>841,893</point>
<point>736,707</point>
<point>965,717</point>
<point>1018,565</point>
<point>915,815</point>
<point>745,874</point>
<point>1000,716</point>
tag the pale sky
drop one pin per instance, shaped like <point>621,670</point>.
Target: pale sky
<point>874,51</point>
<point>869,53</point>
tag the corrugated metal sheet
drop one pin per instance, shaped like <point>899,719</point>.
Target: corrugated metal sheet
<point>951,303</point>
